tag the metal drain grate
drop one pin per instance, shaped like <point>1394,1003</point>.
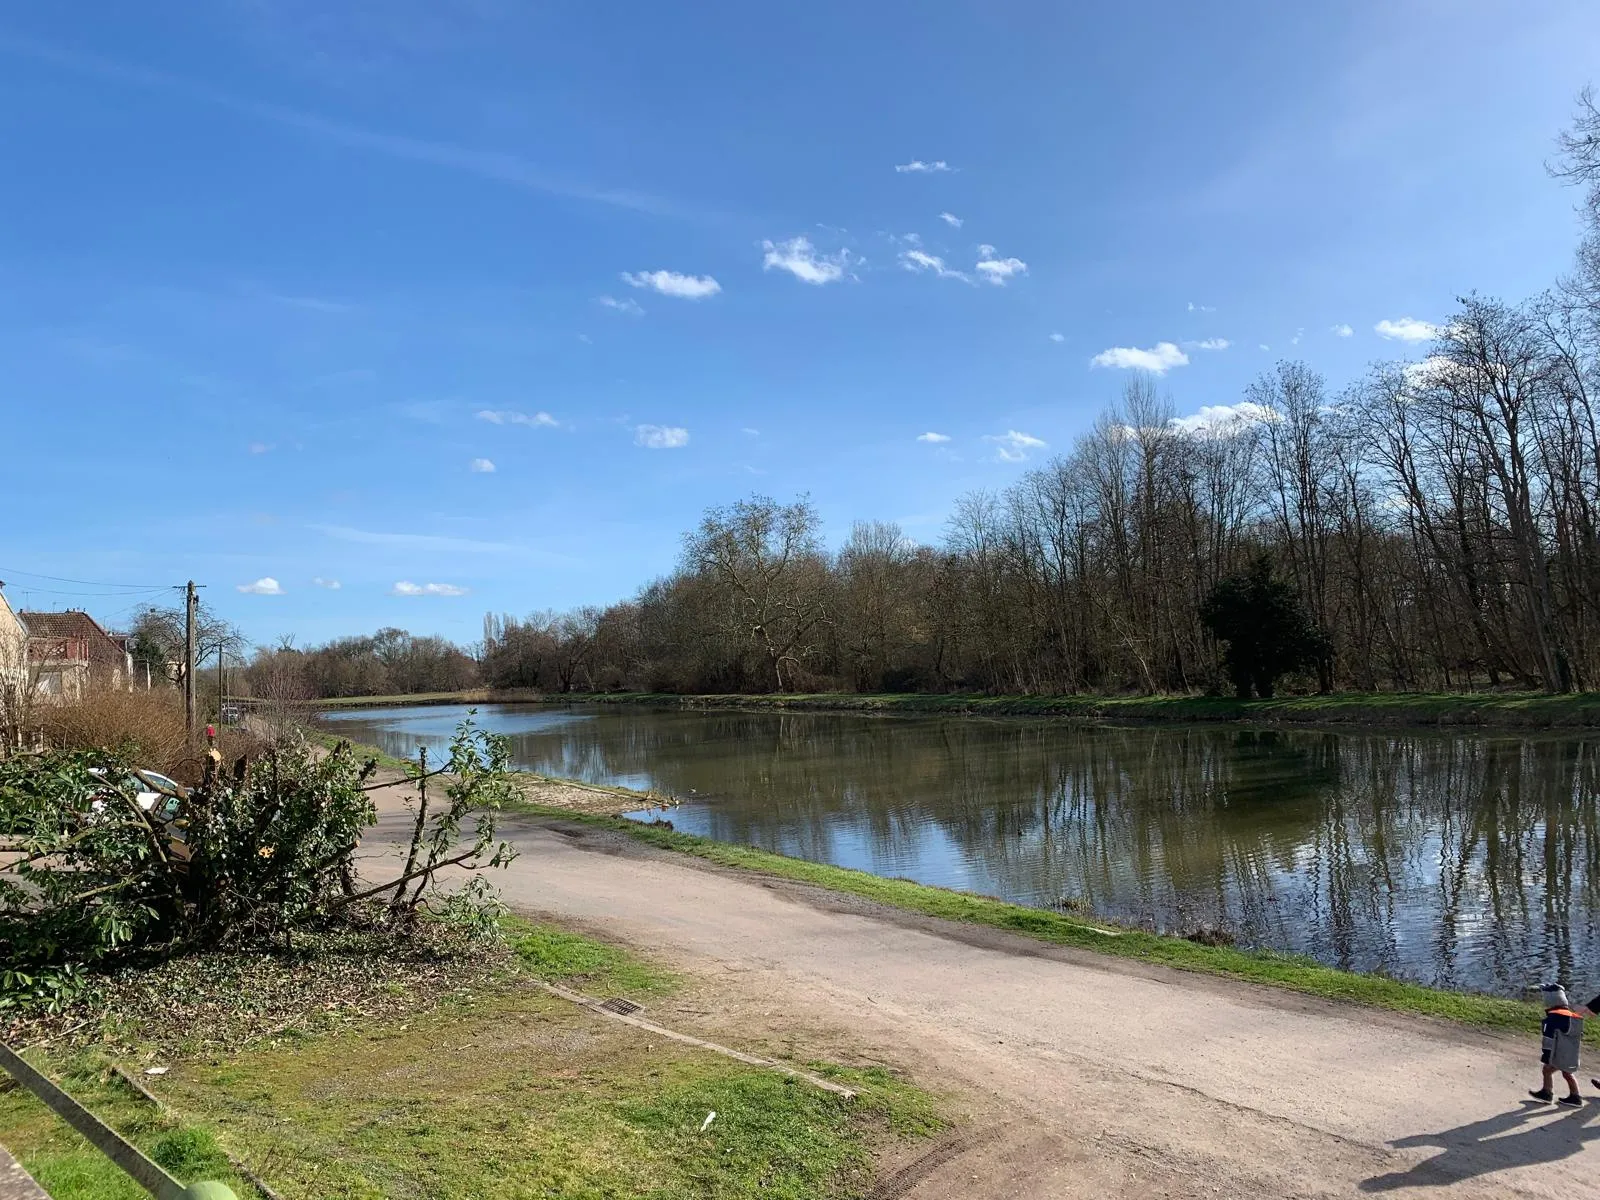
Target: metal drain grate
<point>623,1008</point>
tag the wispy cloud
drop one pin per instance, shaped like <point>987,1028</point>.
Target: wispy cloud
<point>626,305</point>
<point>1012,446</point>
<point>749,431</point>
<point>494,165</point>
<point>332,585</point>
<point>1159,359</point>
<point>481,466</point>
<point>506,416</point>
<point>998,270</point>
<point>261,447</point>
<point>1201,308</point>
<point>317,304</point>
<point>265,586</point>
<point>918,167</point>
<point>951,220</point>
<point>660,437</point>
<point>1298,334</point>
<point>933,438</point>
<point>412,541</point>
<point>1210,344</point>
<point>921,261</point>
<point>1058,337</point>
<point>670,283</point>
<point>800,258</point>
<point>1342,330</point>
<point>1406,329</point>
<point>407,588</point>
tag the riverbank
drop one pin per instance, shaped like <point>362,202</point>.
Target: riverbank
<point>1477,710</point>
<point>604,807</point>
<point>1080,1074</point>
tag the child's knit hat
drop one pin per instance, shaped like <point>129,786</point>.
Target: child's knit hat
<point>1555,996</point>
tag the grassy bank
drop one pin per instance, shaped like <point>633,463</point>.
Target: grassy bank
<point>1506,710</point>
<point>1290,972</point>
<point>507,1092</point>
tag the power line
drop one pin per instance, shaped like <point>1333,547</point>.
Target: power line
<point>143,587</point>
<point>31,591</point>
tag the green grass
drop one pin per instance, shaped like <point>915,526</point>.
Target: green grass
<point>513,1093</point>
<point>589,966</point>
<point>362,751</point>
<point>69,1168</point>
<point>1290,972</point>
<point>1492,709</point>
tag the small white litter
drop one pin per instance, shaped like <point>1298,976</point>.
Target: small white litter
<point>155,1070</point>
<point>706,1124</point>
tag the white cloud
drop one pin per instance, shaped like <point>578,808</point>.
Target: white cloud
<point>505,416</point>
<point>261,447</point>
<point>917,167</point>
<point>1058,337</point>
<point>921,260</point>
<point>951,220</point>
<point>660,437</point>
<point>1217,419</point>
<point>1159,359</point>
<point>626,305</point>
<point>800,258</point>
<point>407,588</point>
<point>1264,346</point>
<point>1342,330</point>
<point>1012,446</point>
<point>750,431</point>
<point>265,586</point>
<point>481,466</point>
<point>933,438</point>
<point>1436,368</point>
<point>1201,308</point>
<point>1406,329</point>
<point>998,270</point>
<point>332,585</point>
<point>670,283</point>
<point>1210,344</point>
<point>1298,334</point>
<point>985,250</point>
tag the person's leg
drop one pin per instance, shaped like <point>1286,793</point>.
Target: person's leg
<point>1544,1091</point>
<point>1572,1085</point>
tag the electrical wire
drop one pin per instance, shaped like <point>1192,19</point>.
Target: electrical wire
<point>143,587</point>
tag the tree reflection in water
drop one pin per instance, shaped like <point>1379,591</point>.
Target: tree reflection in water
<point>1455,859</point>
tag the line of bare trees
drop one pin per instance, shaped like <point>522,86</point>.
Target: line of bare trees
<point>1438,520</point>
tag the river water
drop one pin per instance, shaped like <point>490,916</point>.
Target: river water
<point>1459,860</point>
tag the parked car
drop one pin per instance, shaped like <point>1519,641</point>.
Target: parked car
<point>163,799</point>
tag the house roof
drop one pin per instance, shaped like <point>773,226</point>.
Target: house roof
<point>74,625</point>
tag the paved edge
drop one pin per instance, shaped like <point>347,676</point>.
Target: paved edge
<point>15,1183</point>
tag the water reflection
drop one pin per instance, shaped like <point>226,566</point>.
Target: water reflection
<point>1459,860</point>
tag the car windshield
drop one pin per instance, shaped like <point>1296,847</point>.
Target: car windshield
<point>160,782</point>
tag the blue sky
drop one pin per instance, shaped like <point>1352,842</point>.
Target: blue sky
<point>265,265</point>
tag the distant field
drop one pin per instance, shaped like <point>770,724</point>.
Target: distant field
<point>1520,710</point>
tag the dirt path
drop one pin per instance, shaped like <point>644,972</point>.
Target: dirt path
<point>1081,1076</point>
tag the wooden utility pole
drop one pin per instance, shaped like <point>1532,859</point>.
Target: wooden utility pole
<point>189,603</point>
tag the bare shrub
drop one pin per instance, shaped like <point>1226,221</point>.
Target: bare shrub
<point>145,728</point>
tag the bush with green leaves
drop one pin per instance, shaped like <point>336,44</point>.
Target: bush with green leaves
<point>89,879</point>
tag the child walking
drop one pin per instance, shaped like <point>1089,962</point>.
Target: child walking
<point>1563,1038</point>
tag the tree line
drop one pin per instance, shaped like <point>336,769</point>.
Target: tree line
<point>1434,524</point>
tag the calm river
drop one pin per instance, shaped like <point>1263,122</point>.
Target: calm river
<point>1464,861</point>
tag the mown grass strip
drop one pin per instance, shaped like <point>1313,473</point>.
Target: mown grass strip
<point>1519,710</point>
<point>1291,972</point>
<point>1507,710</point>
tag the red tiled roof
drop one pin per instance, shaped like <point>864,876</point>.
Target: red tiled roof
<point>74,626</point>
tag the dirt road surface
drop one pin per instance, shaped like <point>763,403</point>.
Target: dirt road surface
<point>1074,1075</point>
